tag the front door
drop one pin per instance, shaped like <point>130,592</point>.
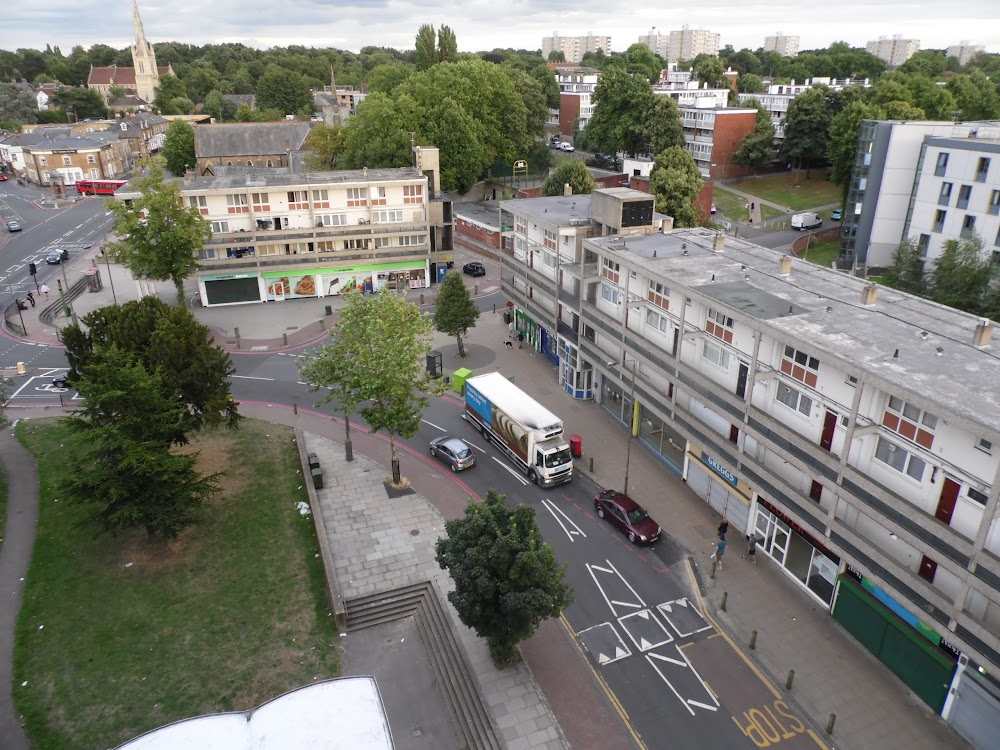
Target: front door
<point>829,425</point>
<point>946,503</point>
<point>741,380</point>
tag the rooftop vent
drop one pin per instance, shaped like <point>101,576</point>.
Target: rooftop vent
<point>719,244</point>
<point>869,294</point>
<point>785,265</point>
<point>984,333</point>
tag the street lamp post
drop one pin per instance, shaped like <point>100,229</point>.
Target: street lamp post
<point>631,419</point>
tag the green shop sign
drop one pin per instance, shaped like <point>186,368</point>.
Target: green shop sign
<point>347,269</point>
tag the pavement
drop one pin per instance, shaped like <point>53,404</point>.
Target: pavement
<point>834,674</point>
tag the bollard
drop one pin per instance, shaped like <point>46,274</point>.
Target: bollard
<point>711,573</point>
<point>237,332</point>
<point>725,595</point>
<point>322,325</point>
<point>591,464</point>
<point>494,308</point>
<point>788,682</point>
<point>21,369</point>
<point>830,722</point>
<point>753,640</point>
<point>475,290</point>
<point>295,407</point>
<point>284,338</point>
<point>421,299</point>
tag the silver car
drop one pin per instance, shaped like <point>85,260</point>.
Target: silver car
<point>454,452</point>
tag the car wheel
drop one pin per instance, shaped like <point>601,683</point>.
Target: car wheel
<point>532,476</point>
<point>453,468</point>
<point>434,452</point>
<point>600,513</point>
<point>631,537</point>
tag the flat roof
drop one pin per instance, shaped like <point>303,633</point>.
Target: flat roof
<point>486,213</point>
<point>911,343</point>
<point>292,179</point>
<point>557,209</point>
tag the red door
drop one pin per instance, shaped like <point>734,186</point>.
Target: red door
<point>927,569</point>
<point>829,425</point>
<point>946,503</point>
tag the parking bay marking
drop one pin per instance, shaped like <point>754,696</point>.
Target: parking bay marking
<point>556,511</point>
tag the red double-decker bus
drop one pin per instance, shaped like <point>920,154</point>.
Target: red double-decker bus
<point>98,187</point>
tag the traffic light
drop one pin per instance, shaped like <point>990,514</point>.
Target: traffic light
<point>32,269</point>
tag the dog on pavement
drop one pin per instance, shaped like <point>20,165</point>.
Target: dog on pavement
<point>509,344</point>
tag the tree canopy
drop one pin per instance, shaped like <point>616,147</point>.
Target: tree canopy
<point>178,147</point>
<point>807,127</point>
<point>455,312</point>
<point>284,90</point>
<point>572,171</point>
<point>757,149</point>
<point>622,102</point>
<point>676,183</point>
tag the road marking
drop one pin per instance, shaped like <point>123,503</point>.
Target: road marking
<point>481,450</point>
<point>433,425</point>
<point>601,638</point>
<point>249,377</point>
<point>682,663</point>
<point>641,624</point>
<point>515,474</point>
<point>556,512</point>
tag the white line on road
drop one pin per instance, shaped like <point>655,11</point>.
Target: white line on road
<point>433,425</point>
<point>556,511</point>
<point>249,377</point>
<point>516,476</point>
<point>481,450</point>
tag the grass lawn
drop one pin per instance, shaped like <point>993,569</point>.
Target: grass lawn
<point>780,189</point>
<point>229,615</point>
<point>3,504</point>
<point>731,205</point>
<point>822,255</point>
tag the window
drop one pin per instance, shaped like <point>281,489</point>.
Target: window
<point>980,498</point>
<point>411,240</point>
<point>719,325</point>
<point>945,196</point>
<point>939,217</point>
<point>852,380</point>
<point>610,294</point>
<point>910,421</point>
<point>381,242</point>
<point>923,242</point>
<point>199,202</point>
<point>657,321</point>
<point>550,239</point>
<point>659,295</point>
<point>220,227</point>
<point>237,203</point>
<point>549,260</point>
<point>46,176</point>
<point>95,173</point>
<point>994,207</point>
<point>378,196</point>
<point>413,194</point>
<point>298,199</point>
<point>42,161</point>
<point>331,220</point>
<point>793,398</point>
<point>982,168</point>
<point>800,366</point>
<point>968,226</point>
<point>321,199</point>
<point>67,161</point>
<point>610,270</point>
<point>354,244</point>
<point>91,159</point>
<point>985,445</point>
<point>900,459</point>
<point>357,197</point>
<point>942,164</point>
<point>715,354</point>
<point>520,226</point>
<point>387,217</point>
<point>260,201</point>
<point>964,193</point>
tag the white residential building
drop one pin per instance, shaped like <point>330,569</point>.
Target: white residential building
<point>786,46</point>
<point>657,42</point>
<point>894,50</point>
<point>686,44</point>
<point>575,47</point>
<point>779,96</point>
<point>964,51</point>
<point>576,89</point>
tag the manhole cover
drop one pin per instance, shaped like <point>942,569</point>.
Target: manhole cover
<point>414,532</point>
<point>416,732</point>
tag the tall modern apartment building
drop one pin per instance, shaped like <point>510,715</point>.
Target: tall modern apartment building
<point>894,50</point>
<point>786,46</point>
<point>964,51</point>
<point>656,42</point>
<point>575,47</point>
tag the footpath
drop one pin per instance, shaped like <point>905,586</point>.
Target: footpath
<point>834,674</point>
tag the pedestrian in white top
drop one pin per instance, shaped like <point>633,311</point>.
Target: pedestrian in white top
<point>44,290</point>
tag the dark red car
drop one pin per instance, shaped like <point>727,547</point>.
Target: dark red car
<point>628,516</point>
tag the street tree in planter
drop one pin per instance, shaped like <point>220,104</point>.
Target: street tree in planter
<point>132,478</point>
<point>455,313</point>
<point>506,577</point>
<point>160,235</point>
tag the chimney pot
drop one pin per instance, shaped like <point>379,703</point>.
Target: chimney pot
<point>719,244</point>
<point>869,294</point>
<point>984,333</point>
<point>364,172</point>
<point>567,189</point>
<point>785,265</point>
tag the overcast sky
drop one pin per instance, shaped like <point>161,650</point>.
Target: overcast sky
<point>485,24</point>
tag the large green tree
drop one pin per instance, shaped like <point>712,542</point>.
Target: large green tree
<point>842,145</point>
<point>284,90</point>
<point>426,47</point>
<point>221,108</point>
<point>640,59</point>
<point>661,127</point>
<point>167,340</point>
<point>170,88</point>
<point>676,183</point>
<point>757,149</point>
<point>907,270</point>
<point>506,577</point>
<point>447,44</point>
<point>573,172</point>
<point>159,236</point>
<point>178,147</point>
<point>16,107</point>
<point>131,478</point>
<point>976,96</point>
<point>709,71</point>
<point>622,102</point>
<point>962,274</point>
<point>807,128</point>
<point>82,103</point>
<point>325,144</point>
<point>455,312</point>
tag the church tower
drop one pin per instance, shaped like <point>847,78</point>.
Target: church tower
<point>147,77</point>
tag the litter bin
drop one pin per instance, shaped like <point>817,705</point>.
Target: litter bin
<point>576,446</point>
<point>329,310</point>
<point>434,368</point>
<point>317,477</point>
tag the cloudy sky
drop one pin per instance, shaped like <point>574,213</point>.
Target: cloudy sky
<point>485,24</point>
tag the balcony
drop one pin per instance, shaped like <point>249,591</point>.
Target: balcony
<point>257,236</point>
<point>334,258</point>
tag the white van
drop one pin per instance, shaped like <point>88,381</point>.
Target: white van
<point>806,221</point>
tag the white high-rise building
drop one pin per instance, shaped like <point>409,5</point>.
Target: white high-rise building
<point>575,47</point>
<point>687,44</point>
<point>894,50</point>
<point>786,46</point>
<point>964,51</point>
<point>656,42</point>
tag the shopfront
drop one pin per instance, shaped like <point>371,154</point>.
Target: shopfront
<point>537,336</point>
<point>711,479</point>
<point>796,551</point>
<point>229,288</point>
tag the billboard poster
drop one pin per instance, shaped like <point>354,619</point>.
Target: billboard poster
<point>291,287</point>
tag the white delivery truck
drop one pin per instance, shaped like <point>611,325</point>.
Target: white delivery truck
<point>529,434</point>
<point>806,221</point>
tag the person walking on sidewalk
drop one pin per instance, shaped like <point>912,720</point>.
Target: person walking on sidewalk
<point>520,340</point>
<point>720,550</point>
<point>44,290</point>
<point>31,299</point>
<point>723,527</point>
<point>751,549</point>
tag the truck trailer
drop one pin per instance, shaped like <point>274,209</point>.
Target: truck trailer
<point>528,434</point>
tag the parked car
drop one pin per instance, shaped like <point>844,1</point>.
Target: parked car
<point>626,515</point>
<point>454,452</point>
<point>3,176</point>
<point>13,226</point>
<point>566,146</point>
<point>806,221</point>
<point>554,139</point>
<point>57,256</point>
<point>713,208</point>
<point>474,269</point>
<point>837,214</point>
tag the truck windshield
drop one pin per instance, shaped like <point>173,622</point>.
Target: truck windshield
<point>559,458</point>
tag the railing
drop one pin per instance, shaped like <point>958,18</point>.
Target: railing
<point>255,236</point>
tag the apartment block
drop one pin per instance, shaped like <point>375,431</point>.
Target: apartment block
<point>576,90</point>
<point>829,417</point>
<point>964,51</point>
<point>658,43</point>
<point>575,47</point>
<point>713,134</point>
<point>786,46</point>
<point>687,43</point>
<point>896,193</point>
<point>277,235</point>
<point>894,50</point>
<point>779,97</point>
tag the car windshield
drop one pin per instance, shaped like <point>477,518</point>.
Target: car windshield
<point>559,458</point>
<point>463,453</point>
<point>637,516</point>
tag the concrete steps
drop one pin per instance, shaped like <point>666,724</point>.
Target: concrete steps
<point>447,659</point>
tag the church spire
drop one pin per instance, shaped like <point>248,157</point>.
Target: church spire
<point>140,36</point>
<point>147,77</point>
